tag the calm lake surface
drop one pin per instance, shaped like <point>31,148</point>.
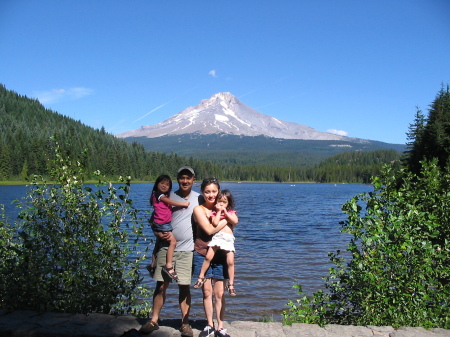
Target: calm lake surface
<point>283,238</point>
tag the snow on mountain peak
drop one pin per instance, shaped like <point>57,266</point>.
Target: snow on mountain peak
<point>224,113</point>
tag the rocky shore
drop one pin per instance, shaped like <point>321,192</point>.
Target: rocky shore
<point>34,324</point>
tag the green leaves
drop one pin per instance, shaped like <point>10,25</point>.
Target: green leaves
<point>399,273</point>
<point>68,250</point>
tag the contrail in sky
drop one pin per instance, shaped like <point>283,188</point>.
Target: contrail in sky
<point>157,108</point>
<point>163,105</point>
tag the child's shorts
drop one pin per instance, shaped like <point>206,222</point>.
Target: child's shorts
<point>166,227</point>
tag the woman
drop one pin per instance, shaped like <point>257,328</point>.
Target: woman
<point>217,273</point>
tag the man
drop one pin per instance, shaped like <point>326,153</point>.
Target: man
<point>182,259</point>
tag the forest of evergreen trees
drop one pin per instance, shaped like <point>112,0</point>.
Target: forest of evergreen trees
<point>429,136</point>
<point>258,150</point>
<point>26,128</point>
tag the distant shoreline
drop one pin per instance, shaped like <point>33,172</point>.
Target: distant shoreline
<point>21,183</point>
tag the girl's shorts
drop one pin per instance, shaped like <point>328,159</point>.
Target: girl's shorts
<point>165,227</point>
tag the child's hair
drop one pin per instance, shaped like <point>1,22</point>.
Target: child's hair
<point>158,180</point>
<point>226,194</point>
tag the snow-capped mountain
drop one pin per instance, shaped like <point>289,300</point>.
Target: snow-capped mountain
<point>224,113</point>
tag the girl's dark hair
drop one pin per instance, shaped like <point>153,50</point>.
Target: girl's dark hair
<point>226,194</point>
<point>209,181</point>
<point>157,181</point>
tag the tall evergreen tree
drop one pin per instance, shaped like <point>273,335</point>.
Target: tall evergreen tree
<point>414,151</point>
<point>430,137</point>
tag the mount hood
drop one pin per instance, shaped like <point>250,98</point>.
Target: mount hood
<point>223,113</point>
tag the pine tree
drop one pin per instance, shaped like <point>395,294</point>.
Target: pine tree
<point>430,137</point>
<point>414,152</point>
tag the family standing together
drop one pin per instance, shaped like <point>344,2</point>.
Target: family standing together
<point>194,237</point>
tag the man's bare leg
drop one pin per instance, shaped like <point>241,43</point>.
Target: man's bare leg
<point>185,302</point>
<point>159,298</point>
<point>208,302</point>
<point>184,299</point>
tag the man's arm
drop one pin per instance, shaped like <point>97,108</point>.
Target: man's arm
<point>171,202</point>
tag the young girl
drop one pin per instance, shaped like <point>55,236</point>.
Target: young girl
<point>224,239</point>
<point>161,221</point>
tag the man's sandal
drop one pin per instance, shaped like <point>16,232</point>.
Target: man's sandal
<point>231,289</point>
<point>171,272</point>
<point>148,327</point>
<point>200,282</point>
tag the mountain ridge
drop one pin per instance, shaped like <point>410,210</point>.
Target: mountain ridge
<point>256,150</point>
<point>222,129</point>
<point>224,113</point>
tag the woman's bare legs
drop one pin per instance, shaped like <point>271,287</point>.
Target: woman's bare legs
<point>208,301</point>
<point>219,289</point>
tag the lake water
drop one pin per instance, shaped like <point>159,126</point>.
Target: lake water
<point>283,238</point>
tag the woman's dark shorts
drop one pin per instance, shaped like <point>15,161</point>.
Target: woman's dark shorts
<point>218,268</point>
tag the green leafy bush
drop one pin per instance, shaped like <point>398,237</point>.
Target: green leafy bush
<point>69,249</point>
<point>399,271</point>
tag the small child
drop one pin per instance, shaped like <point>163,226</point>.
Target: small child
<point>161,221</point>
<point>224,239</point>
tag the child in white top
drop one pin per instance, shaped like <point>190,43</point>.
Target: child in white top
<point>223,240</point>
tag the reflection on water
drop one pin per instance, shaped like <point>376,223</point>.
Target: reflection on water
<point>283,238</point>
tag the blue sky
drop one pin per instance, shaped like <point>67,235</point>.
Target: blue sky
<point>357,67</point>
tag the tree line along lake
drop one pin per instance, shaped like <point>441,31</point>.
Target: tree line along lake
<point>284,234</point>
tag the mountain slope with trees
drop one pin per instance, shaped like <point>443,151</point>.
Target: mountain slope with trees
<point>26,128</point>
<point>354,167</point>
<point>25,131</point>
<point>258,150</point>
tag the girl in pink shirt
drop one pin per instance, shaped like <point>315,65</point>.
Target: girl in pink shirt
<point>161,221</point>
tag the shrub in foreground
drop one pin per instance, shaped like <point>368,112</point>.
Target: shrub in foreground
<point>399,271</point>
<point>69,249</point>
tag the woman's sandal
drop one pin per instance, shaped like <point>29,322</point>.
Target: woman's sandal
<point>200,282</point>
<point>171,272</point>
<point>231,289</point>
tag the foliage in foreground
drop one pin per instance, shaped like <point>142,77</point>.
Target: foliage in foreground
<point>399,271</point>
<point>69,249</point>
